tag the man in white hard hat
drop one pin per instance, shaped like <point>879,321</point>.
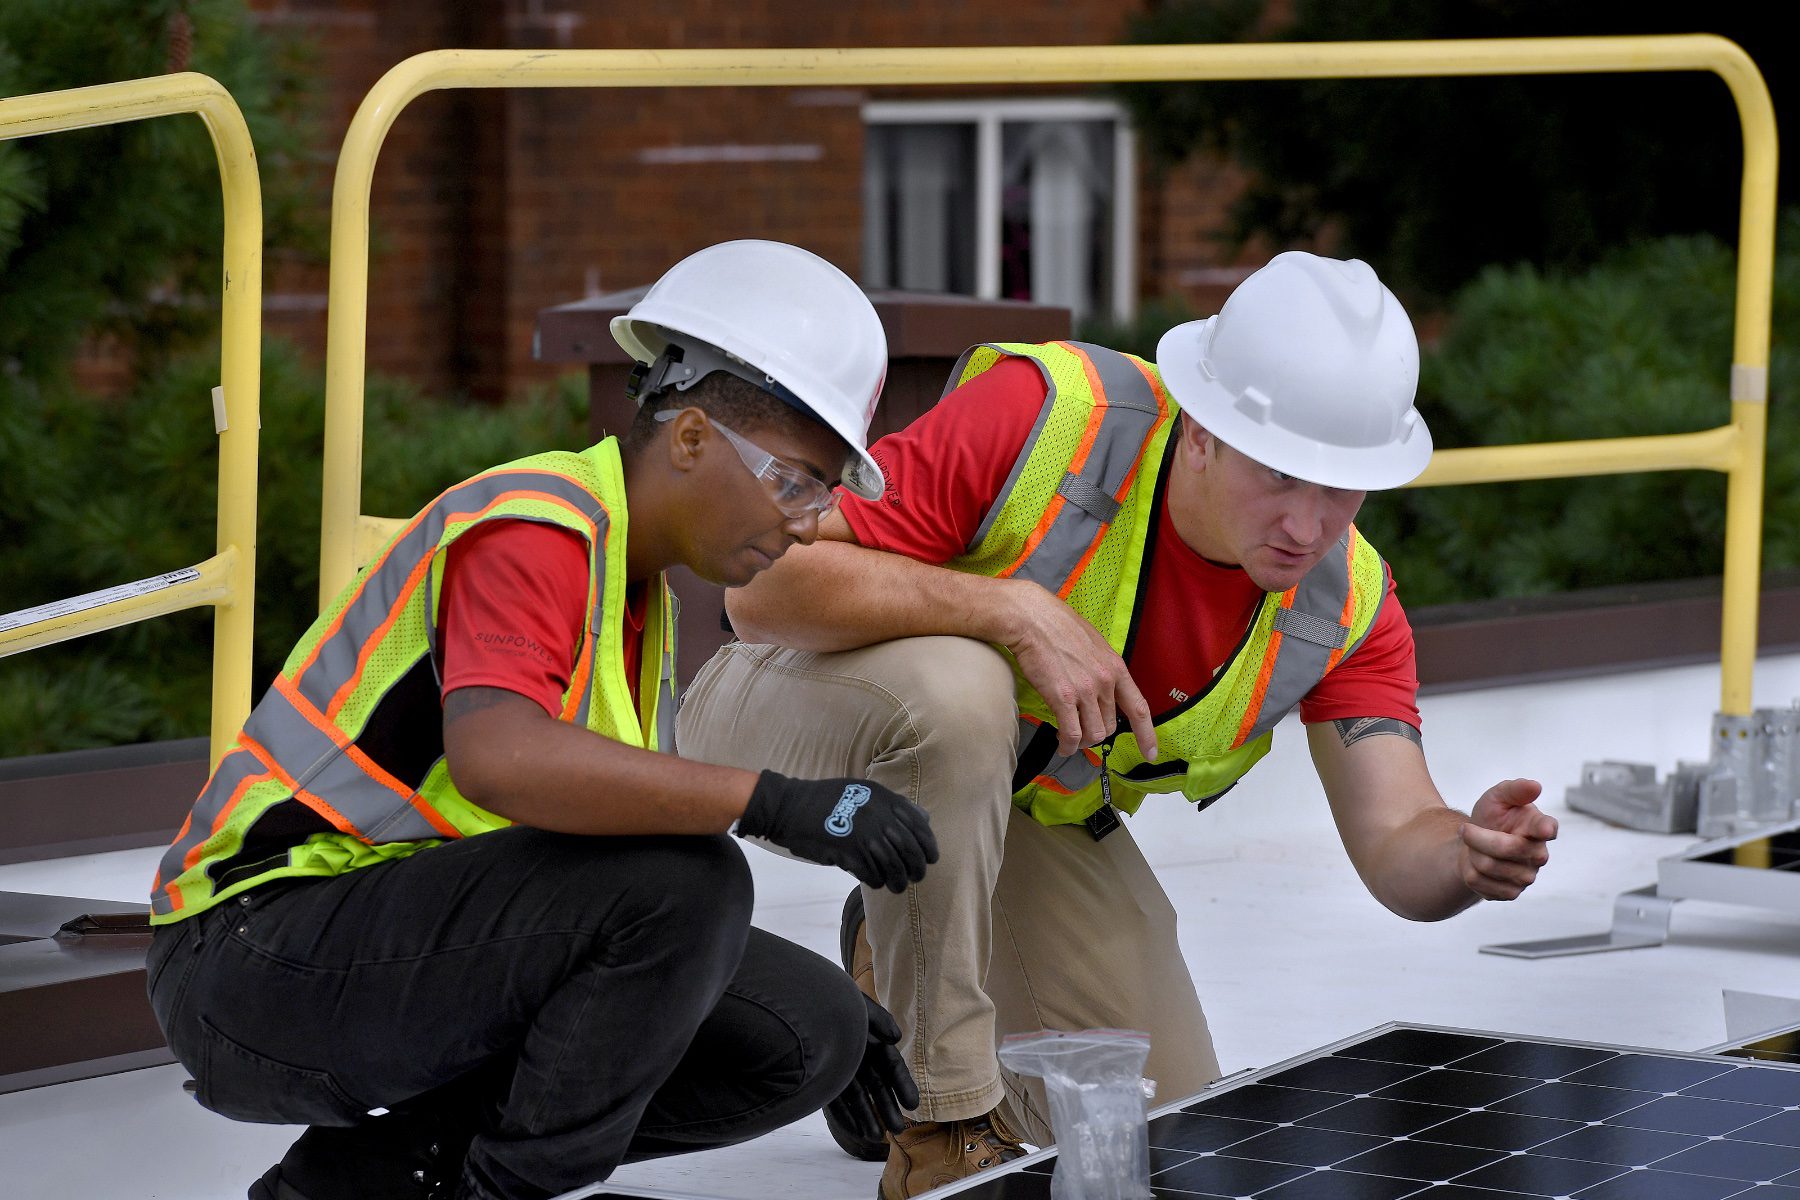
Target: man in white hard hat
<point>445,871</point>
<point>1091,579</point>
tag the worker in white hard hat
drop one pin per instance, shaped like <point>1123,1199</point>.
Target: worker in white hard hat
<point>1092,579</point>
<point>449,870</point>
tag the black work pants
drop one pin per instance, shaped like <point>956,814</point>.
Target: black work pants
<point>587,1001</point>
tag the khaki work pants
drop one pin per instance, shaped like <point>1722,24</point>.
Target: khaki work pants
<point>1019,926</point>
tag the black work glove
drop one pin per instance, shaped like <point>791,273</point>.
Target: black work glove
<point>882,1086</point>
<point>879,836</point>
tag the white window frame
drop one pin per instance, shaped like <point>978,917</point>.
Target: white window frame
<point>987,116</point>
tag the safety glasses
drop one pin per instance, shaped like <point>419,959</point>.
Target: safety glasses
<point>792,490</point>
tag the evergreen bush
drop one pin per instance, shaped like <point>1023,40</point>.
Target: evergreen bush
<point>1639,344</point>
<point>97,495</point>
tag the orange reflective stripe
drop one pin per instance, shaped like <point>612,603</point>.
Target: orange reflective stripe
<point>1156,385</point>
<point>369,766</point>
<point>194,855</point>
<point>584,666</point>
<point>1096,416</point>
<point>1037,535</point>
<point>413,578</point>
<point>1137,464</point>
<point>361,583</point>
<point>174,889</point>
<point>1267,668</point>
<point>340,822</point>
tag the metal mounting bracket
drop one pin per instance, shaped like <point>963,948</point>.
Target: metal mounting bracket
<point>1640,920</point>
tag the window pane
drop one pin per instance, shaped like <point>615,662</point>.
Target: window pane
<point>1056,197</point>
<point>919,207</point>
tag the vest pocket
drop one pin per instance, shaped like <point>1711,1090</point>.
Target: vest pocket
<point>237,1082</point>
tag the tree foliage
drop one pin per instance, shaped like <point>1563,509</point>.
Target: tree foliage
<point>117,229</point>
<point>1640,344</point>
<point>1434,179</point>
<point>154,457</point>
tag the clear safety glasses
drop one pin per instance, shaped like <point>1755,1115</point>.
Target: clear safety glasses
<point>793,491</point>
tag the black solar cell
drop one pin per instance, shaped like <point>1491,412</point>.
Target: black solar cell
<point>1412,1113</point>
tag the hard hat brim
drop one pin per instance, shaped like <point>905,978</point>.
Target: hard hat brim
<point>1352,468</point>
<point>861,475</point>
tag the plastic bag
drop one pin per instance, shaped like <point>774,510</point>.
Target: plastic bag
<point>1095,1085</point>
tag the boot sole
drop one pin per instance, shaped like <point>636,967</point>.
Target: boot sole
<point>856,1146</point>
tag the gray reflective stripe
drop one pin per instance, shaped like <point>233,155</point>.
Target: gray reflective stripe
<point>318,765</point>
<point>1088,498</point>
<point>1121,378</point>
<point>237,766</point>
<point>1311,628</point>
<point>1125,426</point>
<point>665,697</point>
<point>665,717</point>
<point>1018,467</point>
<point>1073,771</point>
<point>1300,661</point>
<point>337,655</point>
<point>602,522</point>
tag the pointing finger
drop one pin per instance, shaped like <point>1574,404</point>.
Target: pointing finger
<point>1131,702</point>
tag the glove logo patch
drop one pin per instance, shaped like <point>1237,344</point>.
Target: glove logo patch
<point>844,813</point>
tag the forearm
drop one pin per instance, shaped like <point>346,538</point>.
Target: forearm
<point>836,595</point>
<point>513,759</point>
<point>1417,870</point>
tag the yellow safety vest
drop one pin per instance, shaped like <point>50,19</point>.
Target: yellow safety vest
<point>1076,516</point>
<point>341,764</point>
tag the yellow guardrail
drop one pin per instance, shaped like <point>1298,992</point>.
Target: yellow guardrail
<point>227,580</point>
<point>1735,448</point>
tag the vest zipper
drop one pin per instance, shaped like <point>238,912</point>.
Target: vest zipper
<point>1106,772</point>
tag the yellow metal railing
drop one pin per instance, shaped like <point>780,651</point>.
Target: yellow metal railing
<point>1735,448</point>
<point>227,580</point>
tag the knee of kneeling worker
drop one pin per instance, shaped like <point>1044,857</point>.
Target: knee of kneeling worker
<point>707,873</point>
<point>958,694</point>
<point>694,883</point>
<point>842,1034</point>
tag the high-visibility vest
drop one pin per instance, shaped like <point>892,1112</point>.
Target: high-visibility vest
<point>341,763</point>
<point>1076,516</point>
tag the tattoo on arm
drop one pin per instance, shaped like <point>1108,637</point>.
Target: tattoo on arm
<point>1354,729</point>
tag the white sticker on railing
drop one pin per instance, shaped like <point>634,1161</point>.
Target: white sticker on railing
<point>75,604</point>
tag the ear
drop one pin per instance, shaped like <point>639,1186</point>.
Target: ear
<point>687,437</point>
<point>1198,448</point>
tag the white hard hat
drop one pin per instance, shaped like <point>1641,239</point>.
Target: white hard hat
<point>808,331</point>
<point>1310,369</point>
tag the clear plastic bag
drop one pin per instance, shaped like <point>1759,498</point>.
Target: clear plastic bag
<point>1094,1082</point>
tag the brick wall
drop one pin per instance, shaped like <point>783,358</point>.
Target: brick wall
<point>490,205</point>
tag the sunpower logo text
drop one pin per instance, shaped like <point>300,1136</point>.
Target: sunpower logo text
<point>844,813</point>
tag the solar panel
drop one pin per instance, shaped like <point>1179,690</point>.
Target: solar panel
<point>1427,1113</point>
<point>1776,1046</point>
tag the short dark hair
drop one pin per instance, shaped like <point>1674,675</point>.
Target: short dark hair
<point>731,401</point>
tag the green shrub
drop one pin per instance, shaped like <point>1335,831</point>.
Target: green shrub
<point>101,492</point>
<point>1638,345</point>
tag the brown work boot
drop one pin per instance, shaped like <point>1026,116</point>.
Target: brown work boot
<point>858,958</point>
<point>854,950</point>
<point>931,1154</point>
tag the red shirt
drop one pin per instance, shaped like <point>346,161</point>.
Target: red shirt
<point>512,608</point>
<point>944,472</point>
